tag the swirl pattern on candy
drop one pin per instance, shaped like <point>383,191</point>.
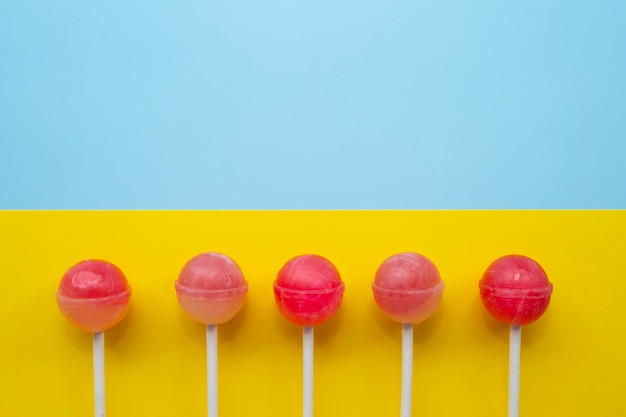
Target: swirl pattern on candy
<point>308,290</point>
<point>94,295</point>
<point>407,287</point>
<point>211,288</point>
<point>515,290</point>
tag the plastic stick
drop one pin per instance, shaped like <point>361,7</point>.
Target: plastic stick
<point>211,363</point>
<point>407,369</point>
<point>307,371</point>
<point>98,373</point>
<point>515,339</point>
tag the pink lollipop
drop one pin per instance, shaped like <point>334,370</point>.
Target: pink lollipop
<point>211,289</point>
<point>94,295</point>
<point>408,289</point>
<point>308,292</point>
<point>515,290</point>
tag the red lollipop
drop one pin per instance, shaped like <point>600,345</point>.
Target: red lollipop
<point>515,290</point>
<point>94,295</point>
<point>308,291</point>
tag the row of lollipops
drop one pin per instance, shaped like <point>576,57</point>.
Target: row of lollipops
<point>94,295</point>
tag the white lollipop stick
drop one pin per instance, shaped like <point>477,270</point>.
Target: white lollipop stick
<point>307,371</point>
<point>211,364</point>
<point>98,373</point>
<point>407,369</point>
<point>515,340</point>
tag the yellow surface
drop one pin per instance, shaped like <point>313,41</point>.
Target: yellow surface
<point>572,358</point>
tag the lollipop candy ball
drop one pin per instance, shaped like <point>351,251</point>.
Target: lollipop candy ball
<point>211,288</point>
<point>407,287</point>
<point>308,290</point>
<point>515,289</point>
<point>94,295</point>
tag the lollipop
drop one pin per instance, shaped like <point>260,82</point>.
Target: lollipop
<point>515,290</point>
<point>211,289</point>
<point>408,289</point>
<point>94,295</point>
<point>308,291</point>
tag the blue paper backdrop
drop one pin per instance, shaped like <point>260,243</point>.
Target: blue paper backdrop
<point>312,104</point>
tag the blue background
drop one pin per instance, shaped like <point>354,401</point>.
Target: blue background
<point>312,104</point>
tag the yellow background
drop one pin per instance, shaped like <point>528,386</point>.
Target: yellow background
<point>572,358</point>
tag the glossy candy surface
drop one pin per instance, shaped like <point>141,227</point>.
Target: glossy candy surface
<point>211,288</point>
<point>407,287</point>
<point>515,289</point>
<point>308,290</point>
<point>94,295</point>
